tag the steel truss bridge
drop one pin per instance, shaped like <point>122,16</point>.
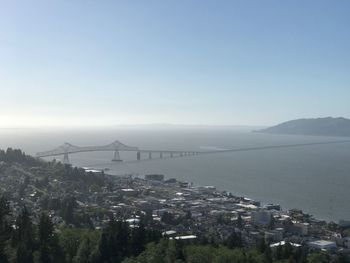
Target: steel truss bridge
<point>142,154</point>
<point>67,148</point>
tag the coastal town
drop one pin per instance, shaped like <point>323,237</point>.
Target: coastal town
<point>180,210</point>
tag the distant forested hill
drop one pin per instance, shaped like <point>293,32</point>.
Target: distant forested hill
<point>321,126</point>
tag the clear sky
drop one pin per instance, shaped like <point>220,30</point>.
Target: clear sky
<point>180,61</point>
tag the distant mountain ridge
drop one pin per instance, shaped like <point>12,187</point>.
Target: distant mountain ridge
<point>319,127</point>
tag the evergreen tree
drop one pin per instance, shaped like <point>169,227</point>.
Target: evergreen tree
<point>24,253</point>
<point>267,255</point>
<point>239,221</point>
<point>234,240</point>
<point>84,254</point>
<point>279,253</point>
<point>168,218</point>
<point>103,248</point>
<point>138,239</point>
<point>342,259</point>
<point>114,242</point>
<point>171,253</point>
<point>317,258</point>
<point>49,249</point>
<point>68,206</point>
<point>262,245</point>
<point>69,240</point>
<point>287,251</point>
<point>23,238</point>
<point>4,228</point>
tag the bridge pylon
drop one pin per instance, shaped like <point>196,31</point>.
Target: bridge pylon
<point>138,156</point>
<point>116,157</point>
<point>66,158</point>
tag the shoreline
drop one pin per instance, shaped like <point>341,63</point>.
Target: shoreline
<point>263,203</point>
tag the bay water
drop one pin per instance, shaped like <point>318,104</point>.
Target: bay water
<point>313,178</point>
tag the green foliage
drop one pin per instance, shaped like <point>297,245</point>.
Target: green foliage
<point>24,253</point>
<point>231,256</point>
<point>168,251</point>
<point>234,240</point>
<point>49,249</point>
<point>87,251</point>
<point>17,156</point>
<point>138,239</point>
<point>239,221</point>
<point>67,211</point>
<point>333,227</point>
<point>23,238</point>
<point>287,250</point>
<point>346,232</point>
<point>4,228</point>
<point>317,258</point>
<point>262,245</point>
<point>168,218</point>
<point>200,254</point>
<point>165,251</point>
<point>279,253</point>
<point>70,239</point>
<point>119,243</point>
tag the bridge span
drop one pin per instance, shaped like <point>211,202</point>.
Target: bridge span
<point>116,146</point>
<point>143,154</point>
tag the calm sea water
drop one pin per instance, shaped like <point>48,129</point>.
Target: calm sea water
<point>313,178</point>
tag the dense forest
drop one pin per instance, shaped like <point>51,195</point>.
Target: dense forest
<point>25,242</point>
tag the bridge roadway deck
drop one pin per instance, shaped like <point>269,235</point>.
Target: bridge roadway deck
<point>88,149</point>
<point>260,148</point>
<point>275,147</point>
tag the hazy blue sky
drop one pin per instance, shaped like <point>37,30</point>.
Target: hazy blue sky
<point>180,61</point>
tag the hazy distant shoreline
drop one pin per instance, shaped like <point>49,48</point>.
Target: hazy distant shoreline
<point>337,127</point>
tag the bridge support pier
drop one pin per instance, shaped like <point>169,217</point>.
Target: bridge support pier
<point>66,158</point>
<point>150,155</point>
<point>171,155</point>
<point>116,157</point>
<point>161,155</point>
<point>138,156</point>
